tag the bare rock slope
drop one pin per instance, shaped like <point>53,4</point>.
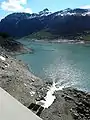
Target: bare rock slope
<point>17,80</point>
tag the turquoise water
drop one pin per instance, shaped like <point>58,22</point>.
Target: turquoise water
<point>66,64</point>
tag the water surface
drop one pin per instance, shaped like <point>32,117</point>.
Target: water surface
<point>66,64</point>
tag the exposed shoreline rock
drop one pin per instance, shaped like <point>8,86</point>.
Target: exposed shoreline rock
<point>14,47</point>
<point>70,104</point>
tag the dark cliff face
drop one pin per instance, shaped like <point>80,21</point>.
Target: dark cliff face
<point>69,24</point>
<point>63,22</point>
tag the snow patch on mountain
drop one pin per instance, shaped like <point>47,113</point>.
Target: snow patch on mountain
<point>70,12</point>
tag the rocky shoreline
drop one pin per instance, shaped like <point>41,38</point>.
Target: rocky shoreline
<point>16,79</point>
<point>70,104</point>
<point>13,47</point>
<point>70,41</point>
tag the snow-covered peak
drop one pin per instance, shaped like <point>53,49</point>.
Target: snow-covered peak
<point>34,15</point>
<point>87,13</point>
<point>45,12</point>
<point>76,12</point>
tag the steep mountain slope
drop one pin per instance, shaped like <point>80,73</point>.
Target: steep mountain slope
<point>68,22</point>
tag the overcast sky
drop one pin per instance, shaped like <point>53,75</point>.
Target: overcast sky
<point>29,6</point>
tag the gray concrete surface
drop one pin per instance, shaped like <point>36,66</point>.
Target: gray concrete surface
<point>11,109</point>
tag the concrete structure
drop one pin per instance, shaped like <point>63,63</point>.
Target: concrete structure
<point>11,109</point>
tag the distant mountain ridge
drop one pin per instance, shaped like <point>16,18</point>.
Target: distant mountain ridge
<point>62,23</point>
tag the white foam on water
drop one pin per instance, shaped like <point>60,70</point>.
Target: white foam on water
<point>2,58</point>
<point>50,97</point>
<point>63,75</point>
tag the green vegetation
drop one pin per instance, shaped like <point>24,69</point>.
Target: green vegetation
<point>84,36</point>
<point>87,37</point>
<point>42,35</point>
<point>46,35</point>
<point>80,36</point>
